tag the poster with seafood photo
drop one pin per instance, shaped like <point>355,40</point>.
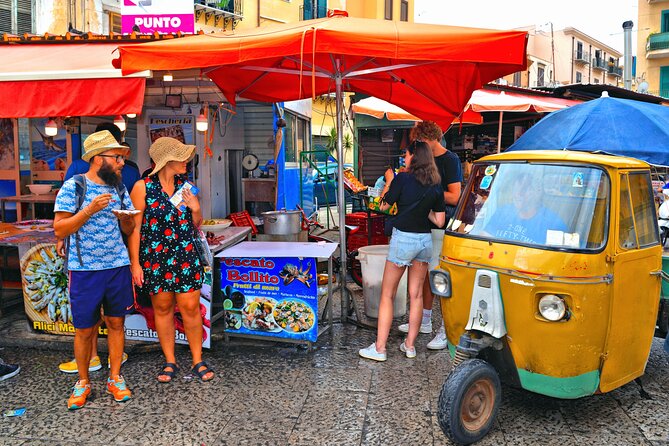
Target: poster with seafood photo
<point>270,296</point>
<point>45,292</point>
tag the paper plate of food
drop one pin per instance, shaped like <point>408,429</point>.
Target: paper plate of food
<point>215,224</point>
<point>118,212</point>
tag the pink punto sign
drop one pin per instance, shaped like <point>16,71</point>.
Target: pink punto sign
<point>161,16</point>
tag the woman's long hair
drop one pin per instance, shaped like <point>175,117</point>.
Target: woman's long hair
<point>422,164</point>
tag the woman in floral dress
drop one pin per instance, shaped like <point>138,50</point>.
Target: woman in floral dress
<point>163,259</point>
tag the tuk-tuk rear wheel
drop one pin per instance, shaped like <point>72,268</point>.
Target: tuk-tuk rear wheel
<point>469,401</point>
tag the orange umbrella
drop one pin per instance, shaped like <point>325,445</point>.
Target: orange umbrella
<point>428,70</point>
<point>379,109</point>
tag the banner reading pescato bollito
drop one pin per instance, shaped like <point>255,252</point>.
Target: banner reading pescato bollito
<point>161,16</point>
<point>270,296</point>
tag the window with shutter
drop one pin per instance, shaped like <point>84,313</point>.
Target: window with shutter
<point>664,82</point>
<point>115,22</point>
<point>322,8</point>
<point>404,11</point>
<point>308,11</point>
<point>24,17</point>
<point>5,16</point>
<point>389,10</point>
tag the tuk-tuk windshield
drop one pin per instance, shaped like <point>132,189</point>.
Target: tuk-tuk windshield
<point>562,206</point>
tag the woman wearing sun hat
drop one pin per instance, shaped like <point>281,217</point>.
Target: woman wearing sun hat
<point>163,260</point>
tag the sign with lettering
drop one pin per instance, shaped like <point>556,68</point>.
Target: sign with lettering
<point>161,16</point>
<point>270,296</point>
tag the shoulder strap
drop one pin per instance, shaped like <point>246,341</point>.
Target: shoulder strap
<point>79,190</point>
<point>79,197</point>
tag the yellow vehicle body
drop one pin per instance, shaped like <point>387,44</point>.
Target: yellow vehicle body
<point>612,292</point>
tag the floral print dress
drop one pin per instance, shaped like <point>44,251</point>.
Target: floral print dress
<point>166,252</point>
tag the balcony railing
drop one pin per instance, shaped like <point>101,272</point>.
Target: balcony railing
<point>581,56</point>
<point>599,63</point>
<point>615,71</point>
<point>222,10</point>
<point>657,41</point>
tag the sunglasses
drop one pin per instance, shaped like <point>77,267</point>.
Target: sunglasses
<point>118,158</point>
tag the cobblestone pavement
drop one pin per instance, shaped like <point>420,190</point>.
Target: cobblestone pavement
<point>283,394</point>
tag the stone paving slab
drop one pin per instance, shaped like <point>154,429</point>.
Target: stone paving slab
<point>285,394</point>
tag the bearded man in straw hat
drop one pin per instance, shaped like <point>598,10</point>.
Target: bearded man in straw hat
<point>97,259</point>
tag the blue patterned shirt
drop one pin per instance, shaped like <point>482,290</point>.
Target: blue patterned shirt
<point>100,239</point>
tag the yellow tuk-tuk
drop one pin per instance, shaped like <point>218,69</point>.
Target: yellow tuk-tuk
<point>549,280</point>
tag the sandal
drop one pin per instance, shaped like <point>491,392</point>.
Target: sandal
<point>168,373</point>
<point>201,373</point>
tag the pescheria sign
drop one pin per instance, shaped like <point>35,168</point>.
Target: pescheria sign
<point>161,16</point>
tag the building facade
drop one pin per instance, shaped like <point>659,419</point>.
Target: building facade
<point>567,56</point>
<point>653,46</point>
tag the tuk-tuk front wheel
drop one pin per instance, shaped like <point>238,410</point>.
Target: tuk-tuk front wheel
<point>469,401</point>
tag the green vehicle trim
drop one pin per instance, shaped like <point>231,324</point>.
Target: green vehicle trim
<point>565,388</point>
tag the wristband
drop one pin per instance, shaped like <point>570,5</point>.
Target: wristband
<point>87,213</point>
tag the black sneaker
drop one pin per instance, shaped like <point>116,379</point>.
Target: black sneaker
<point>8,370</point>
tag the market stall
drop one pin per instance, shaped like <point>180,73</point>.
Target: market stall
<point>429,70</point>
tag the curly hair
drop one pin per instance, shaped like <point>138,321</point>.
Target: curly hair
<point>427,131</point>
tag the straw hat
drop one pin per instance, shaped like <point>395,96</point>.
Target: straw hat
<point>99,142</point>
<point>165,149</point>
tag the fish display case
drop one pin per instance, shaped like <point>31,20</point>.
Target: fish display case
<point>270,290</point>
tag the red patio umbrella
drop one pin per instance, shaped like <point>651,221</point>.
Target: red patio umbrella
<point>428,70</point>
<point>380,109</point>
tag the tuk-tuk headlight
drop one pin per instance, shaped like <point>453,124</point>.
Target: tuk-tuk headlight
<point>552,307</point>
<point>440,283</point>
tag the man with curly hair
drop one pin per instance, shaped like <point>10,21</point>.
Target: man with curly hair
<point>450,170</point>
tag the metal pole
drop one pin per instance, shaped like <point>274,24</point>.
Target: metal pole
<point>499,132</point>
<point>627,73</point>
<point>340,192</point>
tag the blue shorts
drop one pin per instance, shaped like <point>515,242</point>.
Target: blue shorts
<point>405,247</point>
<point>110,289</point>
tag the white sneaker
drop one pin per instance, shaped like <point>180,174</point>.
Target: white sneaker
<point>410,352</point>
<point>424,328</point>
<point>439,342</point>
<point>371,353</point>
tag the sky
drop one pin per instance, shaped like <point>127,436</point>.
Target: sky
<point>601,20</point>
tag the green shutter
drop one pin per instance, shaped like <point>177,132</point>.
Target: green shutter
<point>308,9</point>
<point>664,82</point>
<point>664,25</point>
<point>322,6</point>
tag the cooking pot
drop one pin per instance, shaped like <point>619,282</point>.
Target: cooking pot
<point>282,222</point>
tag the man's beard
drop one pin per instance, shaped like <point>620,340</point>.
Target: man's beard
<point>107,174</point>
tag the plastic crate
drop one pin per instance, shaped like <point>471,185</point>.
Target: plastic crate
<point>361,220</point>
<point>243,218</point>
<point>357,241</point>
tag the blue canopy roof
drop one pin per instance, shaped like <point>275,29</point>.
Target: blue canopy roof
<point>610,125</point>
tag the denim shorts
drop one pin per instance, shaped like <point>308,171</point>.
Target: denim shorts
<point>405,247</point>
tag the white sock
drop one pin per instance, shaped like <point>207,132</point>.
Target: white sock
<point>427,316</point>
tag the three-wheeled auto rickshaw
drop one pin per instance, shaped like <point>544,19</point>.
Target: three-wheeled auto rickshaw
<point>549,280</point>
